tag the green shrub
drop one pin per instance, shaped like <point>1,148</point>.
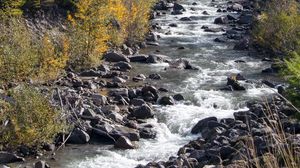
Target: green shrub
<point>24,56</point>
<point>31,119</point>
<point>278,27</point>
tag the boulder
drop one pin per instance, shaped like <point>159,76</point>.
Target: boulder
<point>78,136</point>
<point>143,112</point>
<point>123,66</point>
<point>243,44</point>
<point>120,130</point>
<point>202,124</point>
<point>6,157</point>
<point>236,7</point>
<point>182,64</point>
<point>155,76</point>
<point>221,20</point>
<point>235,84</point>
<point>137,102</point>
<point>147,133</point>
<point>115,57</point>
<point>138,58</point>
<point>152,59</point>
<point>99,99</point>
<point>178,97</point>
<point>178,7</point>
<point>118,80</point>
<point>124,143</point>
<point>41,164</point>
<point>166,100</point>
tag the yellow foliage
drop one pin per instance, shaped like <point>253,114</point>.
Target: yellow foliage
<point>28,120</point>
<point>24,57</point>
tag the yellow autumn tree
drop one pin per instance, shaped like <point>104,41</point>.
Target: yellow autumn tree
<point>89,33</point>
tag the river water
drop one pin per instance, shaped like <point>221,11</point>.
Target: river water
<point>200,89</point>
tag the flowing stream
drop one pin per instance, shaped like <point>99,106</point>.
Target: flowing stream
<point>200,89</point>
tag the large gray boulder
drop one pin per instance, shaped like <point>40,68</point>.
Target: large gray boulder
<point>78,136</point>
<point>6,157</point>
<point>143,112</point>
<point>202,124</point>
<point>124,143</point>
<point>115,57</point>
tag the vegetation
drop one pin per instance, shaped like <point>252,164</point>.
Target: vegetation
<point>23,57</point>
<point>27,119</point>
<point>278,30</point>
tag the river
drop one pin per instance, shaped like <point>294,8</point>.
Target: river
<point>216,61</point>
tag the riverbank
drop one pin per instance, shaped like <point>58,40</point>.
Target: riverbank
<point>115,103</point>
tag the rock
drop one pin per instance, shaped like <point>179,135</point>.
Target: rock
<point>49,147</point>
<point>268,83</point>
<point>240,61</point>
<point>41,164</point>
<point>178,97</point>
<point>88,112</point>
<point>118,80</point>
<point>128,51</point>
<point>182,64</point>
<point>152,43</point>
<point>140,77</point>
<point>211,133</point>
<point>173,25</point>
<point>78,136</point>
<point>213,30</point>
<point>147,133</point>
<point>150,89</point>
<point>115,117</point>
<point>245,19</point>
<point>202,124</point>
<point>138,58</point>
<point>123,66</point>
<point>124,143</point>
<point>185,19</point>
<point>236,7</point>
<point>244,44</point>
<point>91,73</point>
<point>137,102</point>
<point>119,92</point>
<point>235,84</point>
<point>178,7</point>
<point>6,157</point>
<point>110,108</point>
<point>166,100</point>
<point>205,13</point>
<point>152,37</point>
<point>120,130</point>
<point>115,57</point>
<point>176,12</point>
<point>143,112</point>
<point>231,17</point>
<point>99,99</point>
<point>220,40</point>
<point>103,68</point>
<point>155,76</point>
<point>221,20</point>
<point>154,59</point>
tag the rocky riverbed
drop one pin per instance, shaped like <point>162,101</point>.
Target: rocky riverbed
<point>195,87</point>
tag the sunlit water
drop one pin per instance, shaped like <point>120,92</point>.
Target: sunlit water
<point>200,88</point>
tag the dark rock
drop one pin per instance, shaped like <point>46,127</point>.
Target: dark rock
<point>268,83</point>
<point>205,13</point>
<point>182,64</point>
<point>185,19</point>
<point>236,7</point>
<point>137,102</point>
<point>239,77</point>
<point>220,40</point>
<point>240,61</point>
<point>138,58</point>
<point>202,124</point>
<point>99,99</point>
<point>178,7</point>
<point>173,25</point>
<point>155,76</point>
<point>231,17</point>
<point>235,84</point>
<point>41,164</point>
<point>221,20</point>
<point>213,30</point>
<point>78,136</point>
<point>91,73</point>
<point>143,112</point>
<point>244,44</point>
<point>166,100</point>
<point>245,19</point>
<point>154,59</point>
<point>152,37</point>
<point>147,133</point>
<point>115,57</point>
<point>176,12</point>
<point>163,90</point>
<point>6,157</point>
<point>124,143</point>
<point>150,89</point>
<point>178,97</point>
<point>123,66</point>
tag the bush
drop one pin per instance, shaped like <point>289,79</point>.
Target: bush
<point>98,25</point>
<point>23,56</point>
<point>278,28</point>
<point>28,119</point>
<point>11,7</point>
